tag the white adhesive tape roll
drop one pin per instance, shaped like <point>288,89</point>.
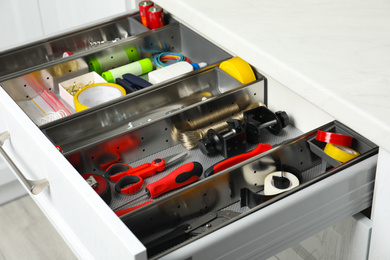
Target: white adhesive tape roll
<point>269,185</point>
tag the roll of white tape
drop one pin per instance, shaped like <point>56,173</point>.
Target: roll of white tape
<point>270,186</point>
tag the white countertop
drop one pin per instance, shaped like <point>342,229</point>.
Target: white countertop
<point>336,54</point>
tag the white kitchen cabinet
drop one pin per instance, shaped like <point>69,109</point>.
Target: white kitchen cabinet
<point>10,187</point>
<point>380,211</point>
<point>20,22</point>
<point>348,239</point>
<point>86,223</point>
<point>27,21</point>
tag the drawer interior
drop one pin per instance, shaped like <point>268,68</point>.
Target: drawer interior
<point>94,36</point>
<point>237,191</point>
<point>134,111</point>
<point>36,89</point>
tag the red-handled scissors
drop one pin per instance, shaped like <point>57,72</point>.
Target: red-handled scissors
<point>129,180</point>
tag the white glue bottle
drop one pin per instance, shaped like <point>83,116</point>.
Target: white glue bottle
<point>172,71</point>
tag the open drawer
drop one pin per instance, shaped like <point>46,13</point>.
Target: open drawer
<point>94,138</point>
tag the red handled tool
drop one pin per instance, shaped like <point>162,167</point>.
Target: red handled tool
<point>184,175</point>
<point>236,159</point>
<point>129,180</point>
<point>125,211</point>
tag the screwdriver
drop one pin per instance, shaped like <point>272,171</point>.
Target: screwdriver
<point>185,174</point>
<point>220,166</point>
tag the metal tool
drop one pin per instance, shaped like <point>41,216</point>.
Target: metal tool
<point>188,230</point>
<point>185,174</point>
<point>251,199</point>
<point>228,144</point>
<point>261,117</point>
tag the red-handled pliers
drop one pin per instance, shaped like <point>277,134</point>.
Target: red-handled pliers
<point>129,180</point>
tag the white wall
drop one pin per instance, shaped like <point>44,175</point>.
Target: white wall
<point>23,21</point>
<point>20,21</point>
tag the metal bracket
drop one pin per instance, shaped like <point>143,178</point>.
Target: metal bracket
<point>34,186</point>
<point>210,220</point>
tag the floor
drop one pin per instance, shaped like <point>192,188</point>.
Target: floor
<point>27,234</point>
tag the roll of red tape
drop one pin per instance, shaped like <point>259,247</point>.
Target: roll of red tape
<point>334,138</point>
<point>102,188</point>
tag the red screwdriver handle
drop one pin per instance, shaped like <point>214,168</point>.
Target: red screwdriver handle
<point>236,159</point>
<point>185,174</point>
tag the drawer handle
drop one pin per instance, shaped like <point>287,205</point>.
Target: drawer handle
<point>34,186</point>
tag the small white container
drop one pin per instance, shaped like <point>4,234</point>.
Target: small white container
<point>89,78</point>
<point>169,72</point>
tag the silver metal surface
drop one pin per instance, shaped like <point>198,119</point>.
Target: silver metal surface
<point>141,109</point>
<point>171,160</point>
<point>35,187</point>
<point>210,220</point>
<point>24,81</point>
<point>77,41</point>
<point>131,144</point>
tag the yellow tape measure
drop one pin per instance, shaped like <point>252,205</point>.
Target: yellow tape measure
<point>96,94</point>
<point>340,153</point>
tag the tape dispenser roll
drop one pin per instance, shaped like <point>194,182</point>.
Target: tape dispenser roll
<point>96,94</point>
<point>238,69</point>
<point>340,153</point>
<point>278,182</point>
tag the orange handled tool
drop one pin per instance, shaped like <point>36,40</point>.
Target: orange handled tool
<point>236,159</point>
<point>143,171</point>
<point>130,180</point>
<point>184,175</point>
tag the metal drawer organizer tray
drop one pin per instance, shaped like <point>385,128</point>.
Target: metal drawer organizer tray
<point>143,125</point>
